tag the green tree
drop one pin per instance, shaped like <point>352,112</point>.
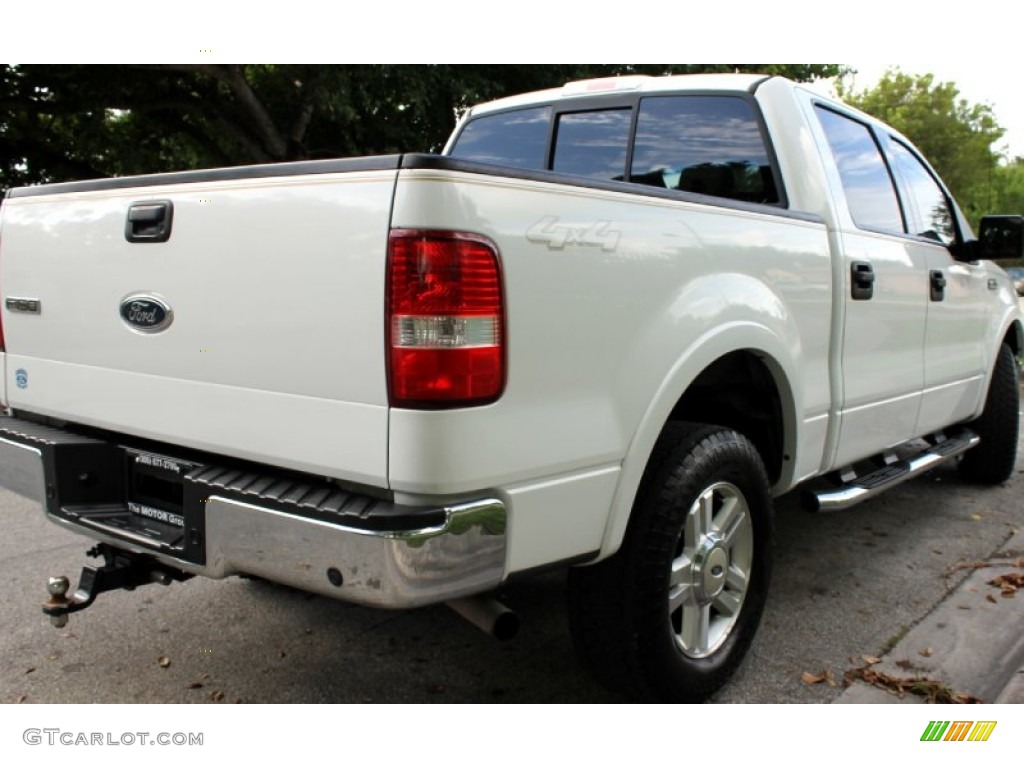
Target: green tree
<point>60,122</point>
<point>955,136</point>
<point>1007,190</point>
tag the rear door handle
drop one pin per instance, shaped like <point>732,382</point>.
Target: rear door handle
<point>862,280</point>
<point>149,221</point>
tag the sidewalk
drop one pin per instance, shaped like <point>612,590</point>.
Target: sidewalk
<point>972,642</point>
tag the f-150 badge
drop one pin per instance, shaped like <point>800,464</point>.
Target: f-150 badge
<point>144,313</point>
<point>557,236</point>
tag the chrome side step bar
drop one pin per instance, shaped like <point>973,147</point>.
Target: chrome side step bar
<point>857,489</point>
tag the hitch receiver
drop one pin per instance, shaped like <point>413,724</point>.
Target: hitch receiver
<point>120,570</point>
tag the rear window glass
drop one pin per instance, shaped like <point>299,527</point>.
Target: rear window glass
<point>517,139</point>
<point>593,144</point>
<point>711,145</point>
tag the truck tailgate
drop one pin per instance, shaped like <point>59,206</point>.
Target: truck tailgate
<point>276,287</point>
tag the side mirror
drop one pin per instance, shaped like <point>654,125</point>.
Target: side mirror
<point>1001,237</point>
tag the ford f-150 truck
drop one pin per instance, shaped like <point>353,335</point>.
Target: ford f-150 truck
<point>602,330</point>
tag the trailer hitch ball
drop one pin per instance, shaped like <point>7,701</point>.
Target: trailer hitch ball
<point>119,571</point>
<point>58,587</point>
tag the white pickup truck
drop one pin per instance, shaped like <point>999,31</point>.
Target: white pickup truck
<point>602,330</point>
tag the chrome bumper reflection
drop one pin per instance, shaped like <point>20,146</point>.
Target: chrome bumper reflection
<point>465,556</point>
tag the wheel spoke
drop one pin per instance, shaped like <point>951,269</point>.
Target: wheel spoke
<point>731,519</point>
<point>736,579</point>
<point>682,571</point>
<point>696,621</point>
<point>698,522</point>
<point>728,603</point>
<point>678,597</point>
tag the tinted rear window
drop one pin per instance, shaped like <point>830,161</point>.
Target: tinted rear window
<point>517,139</point>
<point>711,145</point>
<point>593,144</point>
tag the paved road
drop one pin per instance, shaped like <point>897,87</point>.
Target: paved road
<point>847,584</point>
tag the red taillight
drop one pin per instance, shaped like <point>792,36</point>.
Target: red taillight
<point>445,319</point>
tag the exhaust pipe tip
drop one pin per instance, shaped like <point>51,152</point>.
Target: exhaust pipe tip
<point>488,615</point>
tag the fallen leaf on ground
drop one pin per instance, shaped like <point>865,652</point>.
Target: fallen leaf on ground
<point>991,599</point>
<point>981,564</point>
<point>204,676</point>
<point>30,670</point>
<point>1008,593</point>
<point>808,679</point>
<point>934,691</point>
<point>869,660</point>
<point>926,651</point>
<point>164,662</point>
<point>975,517</point>
<point>217,695</point>
<point>21,699</point>
<point>194,686</point>
<point>1011,581</point>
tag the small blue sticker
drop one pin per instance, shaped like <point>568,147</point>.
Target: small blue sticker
<point>21,378</point>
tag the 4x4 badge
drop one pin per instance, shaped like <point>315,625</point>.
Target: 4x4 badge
<point>597,235</point>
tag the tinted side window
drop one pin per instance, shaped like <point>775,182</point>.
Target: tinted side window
<point>518,139</point>
<point>930,213</point>
<point>706,144</point>
<point>593,144</point>
<point>865,177</point>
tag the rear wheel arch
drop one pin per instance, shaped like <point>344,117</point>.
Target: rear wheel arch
<point>1014,338</point>
<point>747,389</point>
<point>741,391</point>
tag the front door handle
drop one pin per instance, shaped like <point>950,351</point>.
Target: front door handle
<point>149,221</point>
<point>862,280</point>
<point>938,285</point>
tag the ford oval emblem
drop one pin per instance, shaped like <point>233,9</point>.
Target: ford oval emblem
<point>144,313</point>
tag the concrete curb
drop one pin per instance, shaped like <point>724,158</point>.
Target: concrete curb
<point>968,642</point>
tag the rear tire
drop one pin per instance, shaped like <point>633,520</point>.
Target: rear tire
<point>993,460</point>
<point>671,615</point>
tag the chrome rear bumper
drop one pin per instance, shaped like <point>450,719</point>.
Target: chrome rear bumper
<point>459,553</point>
